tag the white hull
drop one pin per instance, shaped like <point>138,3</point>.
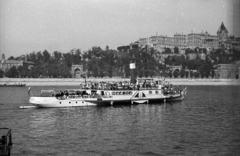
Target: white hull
<point>44,102</point>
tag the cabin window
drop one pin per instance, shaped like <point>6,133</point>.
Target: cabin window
<point>69,102</point>
<point>137,95</point>
<point>76,102</point>
<point>60,102</point>
<point>150,92</point>
<point>156,92</point>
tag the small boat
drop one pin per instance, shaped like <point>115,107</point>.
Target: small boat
<point>105,93</point>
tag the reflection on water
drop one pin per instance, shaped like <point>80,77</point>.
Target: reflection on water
<point>207,122</point>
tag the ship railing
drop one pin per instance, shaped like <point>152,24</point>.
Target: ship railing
<point>149,88</point>
<point>125,88</point>
<point>64,97</point>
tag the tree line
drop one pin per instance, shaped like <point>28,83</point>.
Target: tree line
<point>109,63</point>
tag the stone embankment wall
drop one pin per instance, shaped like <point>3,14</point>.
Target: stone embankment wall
<point>76,82</point>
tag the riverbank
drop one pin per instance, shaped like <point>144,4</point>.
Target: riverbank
<point>76,82</point>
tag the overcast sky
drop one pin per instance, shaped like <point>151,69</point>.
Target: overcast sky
<point>62,25</point>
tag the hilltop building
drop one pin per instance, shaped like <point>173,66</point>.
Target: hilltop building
<point>7,64</point>
<point>192,40</point>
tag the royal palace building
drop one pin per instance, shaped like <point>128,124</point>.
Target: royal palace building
<point>192,40</point>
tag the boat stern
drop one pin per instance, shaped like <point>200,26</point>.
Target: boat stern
<point>42,101</point>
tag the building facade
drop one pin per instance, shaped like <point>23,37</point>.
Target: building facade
<point>228,71</point>
<point>202,40</point>
<point>7,64</point>
<point>192,40</point>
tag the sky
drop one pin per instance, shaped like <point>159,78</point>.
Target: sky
<point>28,26</point>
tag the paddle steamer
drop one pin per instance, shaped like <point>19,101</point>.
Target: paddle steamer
<point>106,93</point>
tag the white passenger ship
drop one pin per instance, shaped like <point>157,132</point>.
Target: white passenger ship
<point>105,93</point>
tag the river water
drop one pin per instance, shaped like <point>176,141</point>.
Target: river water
<point>207,122</point>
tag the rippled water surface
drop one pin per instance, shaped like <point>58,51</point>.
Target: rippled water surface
<point>207,122</point>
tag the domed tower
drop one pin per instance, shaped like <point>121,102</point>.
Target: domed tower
<point>3,59</point>
<point>222,32</point>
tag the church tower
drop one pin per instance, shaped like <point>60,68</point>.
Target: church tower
<point>222,32</point>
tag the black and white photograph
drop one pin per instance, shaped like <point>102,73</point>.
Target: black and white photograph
<point>119,77</point>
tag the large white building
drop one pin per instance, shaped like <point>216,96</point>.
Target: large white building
<point>192,40</point>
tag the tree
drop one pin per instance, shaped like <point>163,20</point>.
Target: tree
<point>212,73</point>
<point>204,70</point>
<point>68,59</point>
<point>63,70</point>
<point>20,70</point>
<point>33,72</point>
<point>170,74</point>
<point>46,56</point>
<point>176,73</point>
<point>204,50</point>
<point>57,56</point>
<point>32,57</point>
<point>191,74</point>
<point>76,56</point>
<point>176,50</point>
<point>12,72</point>
<point>1,74</point>
<point>182,73</point>
<point>11,58</point>
<point>186,73</point>
<point>196,74</point>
